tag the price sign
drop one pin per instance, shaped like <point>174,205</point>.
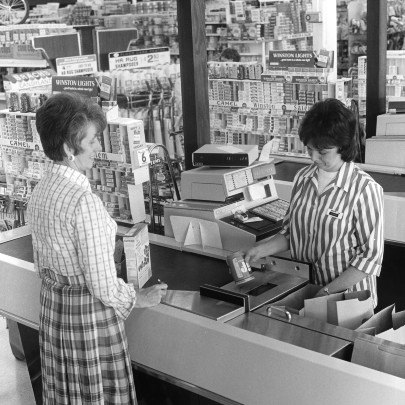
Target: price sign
<point>18,144</point>
<point>76,65</point>
<point>109,156</point>
<point>140,156</point>
<point>139,58</point>
<point>143,157</point>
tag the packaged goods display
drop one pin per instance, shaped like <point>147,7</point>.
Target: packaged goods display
<point>137,255</point>
<point>254,104</point>
<point>156,22</point>
<point>253,28</point>
<point>148,105</point>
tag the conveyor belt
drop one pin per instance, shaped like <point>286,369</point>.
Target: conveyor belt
<point>180,270</point>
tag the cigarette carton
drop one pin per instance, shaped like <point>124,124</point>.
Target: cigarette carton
<point>137,253</point>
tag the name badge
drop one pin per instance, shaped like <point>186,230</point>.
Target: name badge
<point>335,214</point>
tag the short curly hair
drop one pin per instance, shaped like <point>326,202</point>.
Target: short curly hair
<point>64,118</point>
<point>230,54</point>
<point>328,124</point>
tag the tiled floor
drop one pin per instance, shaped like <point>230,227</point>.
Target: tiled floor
<point>15,385</point>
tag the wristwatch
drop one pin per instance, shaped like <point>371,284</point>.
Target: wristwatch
<point>326,290</point>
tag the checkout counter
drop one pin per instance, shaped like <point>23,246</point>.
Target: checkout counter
<point>249,356</point>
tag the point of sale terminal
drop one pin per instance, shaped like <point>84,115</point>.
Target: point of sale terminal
<point>242,200</point>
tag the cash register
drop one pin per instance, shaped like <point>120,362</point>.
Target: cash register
<point>243,202</point>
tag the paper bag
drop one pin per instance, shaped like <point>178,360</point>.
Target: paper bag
<point>380,322</point>
<point>387,324</point>
<point>318,307</point>
<point>343,309</point>
<point>383,355</point>
<point>294,302</point>
<point>352,310</point>
<point>396,333</point>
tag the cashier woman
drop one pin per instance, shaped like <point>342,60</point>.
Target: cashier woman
<point>84,349</point>
<point>335,218</point>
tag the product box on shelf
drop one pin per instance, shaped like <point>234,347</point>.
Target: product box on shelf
<point>119,138</point>
<point>137,254</point>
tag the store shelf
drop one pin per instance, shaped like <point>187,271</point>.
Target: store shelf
<point>6,111</point>
<point>260,41</point>
<point>27,63</point>
<point>167,14</point>
<point>245,41</point>
<point>227,79</point>
<point>290,158</point>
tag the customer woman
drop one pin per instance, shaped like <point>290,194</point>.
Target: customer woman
<point>84,350</point>
<point>335,218</point>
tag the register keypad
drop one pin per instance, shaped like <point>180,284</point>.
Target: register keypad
<point>273,210</point>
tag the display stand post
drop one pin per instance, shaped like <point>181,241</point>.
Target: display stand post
<point>376,62</point>
<point>193,63</point>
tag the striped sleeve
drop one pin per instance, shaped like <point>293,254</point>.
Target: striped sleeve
<point>369,213</point>
<point>96,256</point>
<point>285,229</point>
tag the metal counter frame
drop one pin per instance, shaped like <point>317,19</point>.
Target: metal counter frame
<point>230,365</point>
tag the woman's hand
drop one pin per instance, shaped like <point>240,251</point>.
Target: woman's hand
<point>151,296</point>
<point>321,293</point>
<point>276,244</point>
<point>253,254</point>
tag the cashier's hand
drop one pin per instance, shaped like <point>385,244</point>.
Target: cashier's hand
<point>151,296</point>
<point>253,254</point>
<point>320,293</point>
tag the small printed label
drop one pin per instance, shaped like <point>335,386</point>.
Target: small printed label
<point>76,65</point>
<point>335,214</point>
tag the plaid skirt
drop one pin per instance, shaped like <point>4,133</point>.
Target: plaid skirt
<point>84,349</point>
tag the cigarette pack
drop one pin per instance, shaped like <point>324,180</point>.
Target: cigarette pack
<point>137,254</point>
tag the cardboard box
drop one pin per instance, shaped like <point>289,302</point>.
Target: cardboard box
<point>137,254</point>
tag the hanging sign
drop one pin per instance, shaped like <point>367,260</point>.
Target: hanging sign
<point>139,58</point>
<point>76,65</point>
<point>292,59</point>
<point>28,80</point>
<point>75,84</point>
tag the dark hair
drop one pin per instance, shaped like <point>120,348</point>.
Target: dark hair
<point>64,118</point>
<point>231,54</point>
<point>328,124</point>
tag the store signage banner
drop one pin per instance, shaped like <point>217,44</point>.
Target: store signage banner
<point>289,59</point>
<point>139,58</point>
<point>76,65</point>
<point>15,143</point>
<point>28,80</point>
<point>75,84</point>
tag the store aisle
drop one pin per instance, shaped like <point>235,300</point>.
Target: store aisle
<point>15,385</point>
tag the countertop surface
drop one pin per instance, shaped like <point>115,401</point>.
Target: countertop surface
<point>286,171</point>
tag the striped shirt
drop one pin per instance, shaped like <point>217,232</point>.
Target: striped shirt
<point>74,236</point>
<point>341,227</point>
